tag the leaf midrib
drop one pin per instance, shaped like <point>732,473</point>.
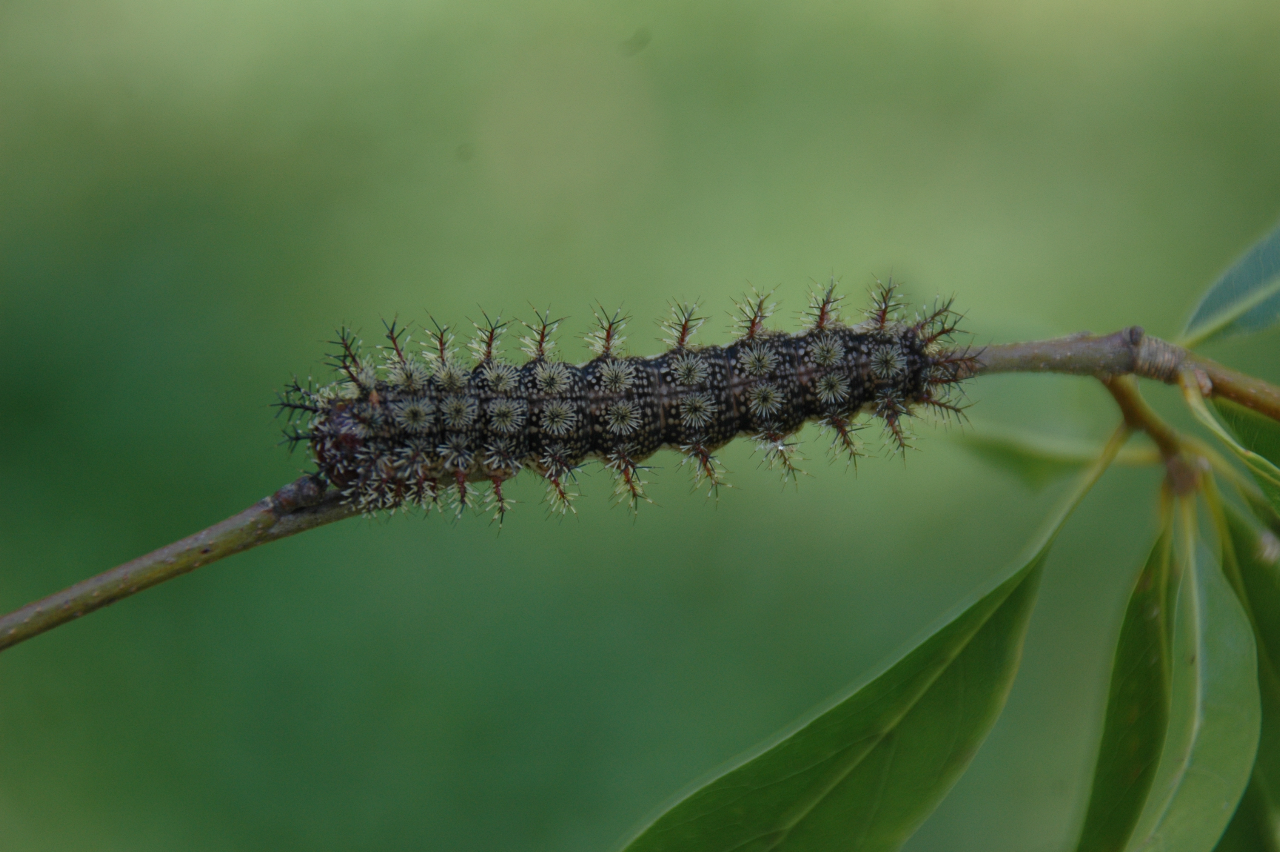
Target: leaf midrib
<point>1192,578</point>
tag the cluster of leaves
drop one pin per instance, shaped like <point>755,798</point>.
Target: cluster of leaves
<point>1190,752</point>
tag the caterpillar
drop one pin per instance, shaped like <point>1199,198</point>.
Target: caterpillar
<point>400,428</point>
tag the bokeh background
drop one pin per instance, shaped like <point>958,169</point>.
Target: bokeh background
<point>193,195</point>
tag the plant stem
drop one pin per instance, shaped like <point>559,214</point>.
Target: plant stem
<point>1182,470</point>
<point>299,506</point>
<point>305,503</point>
<point>1130,351</point>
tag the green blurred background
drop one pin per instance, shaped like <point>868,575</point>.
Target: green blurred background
<point>192,196</point>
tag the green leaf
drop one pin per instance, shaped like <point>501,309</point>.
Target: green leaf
<point>1035,466</point>
<point>1137,710</point>
<point>1254,431</point>
<point>864,774</point>
<point>1264,471</point>
<point>1245,833</point>
<point>1245,299</point>
<point>1255,827</point>
<point>1039,459</point>
<point>1214,711</point>
<point>1254,554</point>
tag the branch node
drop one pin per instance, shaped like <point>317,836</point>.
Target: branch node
<point>1153,358</point>
<point>1183,474</point>
<point>307,490</point>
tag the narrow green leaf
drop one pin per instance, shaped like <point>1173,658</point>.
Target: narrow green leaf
<point>1265,783</point>
<point>1253,430</point>
<point>1244,833</point>
<point>1255,554</point>
<point>1137,711</point>
<point>1245,299</point>
<point>1255,827</point>
<point>864,774</point>
<point>1214,711</point>
<point>1035,466</point>
<point>1263,469</point>
<point>1039,459</point>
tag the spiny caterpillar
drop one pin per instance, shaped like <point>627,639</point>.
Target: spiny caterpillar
<point>403,429</point>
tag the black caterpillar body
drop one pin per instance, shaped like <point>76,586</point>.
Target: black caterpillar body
<point>403,430</point>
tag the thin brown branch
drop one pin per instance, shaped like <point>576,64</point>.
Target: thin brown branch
<point>1130,351</point>
<point>1183,475</point>
<point>1080,354</point>
<point>1140,416</point>
<point>299,506</point>
<point>306,504</point>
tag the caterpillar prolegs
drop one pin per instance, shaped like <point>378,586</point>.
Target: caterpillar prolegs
<point>417,428</point>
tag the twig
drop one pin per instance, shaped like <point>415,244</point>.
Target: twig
<point>299,506</point>
<point>305,503</point>
<point>1130,351</point>
<point>1182,470</point>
